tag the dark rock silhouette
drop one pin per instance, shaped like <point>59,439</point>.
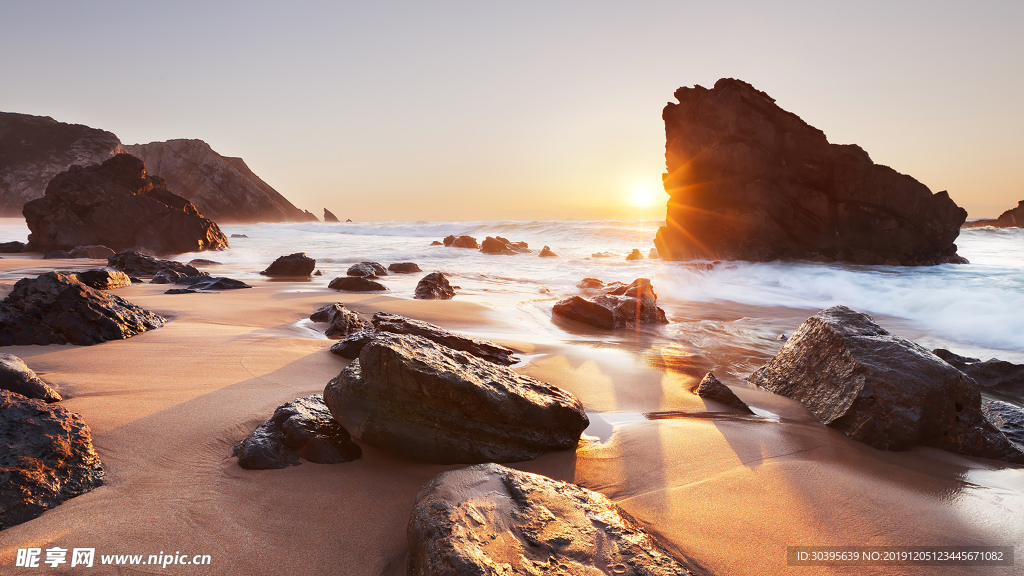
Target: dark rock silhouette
<point>618,307</point>
<point>221,187</point>
<point>95,252</point>
<point>342,320</point>
<point>12,247</point>
<point>350,345</point>
<point>330,217</point>
<point>211,283</point>
<point>751,181</point>
<point>46,457</point>
<point>57,255</point>
<point>1012,218</point>
<point>712,389</point>
<point>404,268</point>
<point>356,284</point>
<point>429,402</point>
<point>1007,418</point>
<point>56,308</point>
<point>17,377</point>
<point>367,269</point>
<point>34,149</point>
<point>297,264</point>
<point>880,389</point>
<point>434,286</point>
<point>997,377</point>
<point>117,205</point>
<point>531,525</point>
<point>302,428</point>
<point>137,264</point>
<point>101,279</point>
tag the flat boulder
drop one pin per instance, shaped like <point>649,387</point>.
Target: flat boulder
<point>434,286</point>
<point>46,457</point>
<point>342,320</point>
<point>367,269</point>
<point>96,252</point>
<point>211,283</point>
<point>356,284</point>
<point>297,264</point>
<point>429,402</point>
<point>118,205</point>
<point>56,308</point>
<point>136,263</point>
<point>619,307</point>
<point>17,377</point>
<point>101,279</point>
<point>713,389</point>
<point>489,519</point>
<point>203,262</point>
<point>302,428</point>
<point>880,389</point>
<point>489,351</point>
<point>404,268</point>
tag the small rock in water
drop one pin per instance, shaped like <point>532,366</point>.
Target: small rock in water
<point>782,338</point>
<point>712,389</point>
<point>372,269</point>
<point>404,268</point>
<point>436,243</point>
<point>17,377</point>
<point>590,283</point>
<point>620,306</point>
<point>239,236</point>
<point>203,262</point>
<point>461,242</point>
<point>302,428</point>
<point>635,255</point>
<point>489,519</point>
<point>342,320</point>
<point>653,253</point>
<point>547,253</point>
<point>434,286</point>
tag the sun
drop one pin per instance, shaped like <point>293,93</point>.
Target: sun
<point>642,197</point>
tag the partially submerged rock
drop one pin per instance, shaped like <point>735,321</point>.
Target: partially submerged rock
<point>17,377</point>
<point>117,205</point>
<point>57,308</point>
<point>1007,418</point>
<point>635,255</point>
<point>211,283</point>
<point>620,306</point>
<point>302,428</point>
<point>1012,218</point>
<point>712,389</point>
<point>404,268</point>
<point>367,269</point>
<point>356,284</point>
<point>137,264</point>
<point>203,262</point>
<point>590,284</point>
<point>880,389</point>
<point>546,252</point>
<point>342,320</point>
<point>429,402</point>
<point>995,376</point>
<point>434,286</point>
<point>103,279</point>
<point>96,252</point>
<point>502,246</point>
<point>489,519</point>
<point>297,264</point>
<point>461,242</point>
<point>46,457</point>
<point>329,216</point>
<point>239,236</point>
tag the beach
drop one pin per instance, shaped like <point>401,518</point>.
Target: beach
<point>728,492</point>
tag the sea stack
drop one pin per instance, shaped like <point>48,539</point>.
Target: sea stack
<point>748,180</point>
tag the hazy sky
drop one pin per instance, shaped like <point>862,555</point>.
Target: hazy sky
<point>520,110</point>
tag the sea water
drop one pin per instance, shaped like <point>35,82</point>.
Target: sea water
<point>735,310</point>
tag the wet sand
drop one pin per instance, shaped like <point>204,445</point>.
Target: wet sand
<point>727,491</point>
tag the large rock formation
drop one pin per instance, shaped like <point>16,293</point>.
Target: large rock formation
<point>34,149</point>
<point>57,308</point>
<point>880,389</point>
<point>302,428</point>
<point>748,180</point>
<point>221,187</point>
<point>489,519</point>
<point>1012,218</point>
<point>118,205</point>
<point>46,457</point>
<point>429,402</point>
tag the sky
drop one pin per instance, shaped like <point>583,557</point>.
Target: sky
<point>524,110</point>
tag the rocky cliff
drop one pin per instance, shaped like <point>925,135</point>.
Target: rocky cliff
<point>221,187</point>
<point>34,149</point>
<point>748,180</point>
<point>1012,218</point>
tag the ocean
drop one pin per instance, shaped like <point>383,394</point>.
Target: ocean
<point>726,310</point>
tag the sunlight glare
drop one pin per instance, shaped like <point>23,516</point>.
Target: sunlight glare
<point>642,197</point>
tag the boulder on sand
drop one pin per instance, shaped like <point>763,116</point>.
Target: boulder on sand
<point>367,269</point>
<point>95,252</point>
<point>46,457</point>
<point>117,205</point>
<point>356,284</point>
<point>101,279</point>
<point>302,428</point>
<point>17,377</point>
<point>297,264</point>
<point>1007,418</point>
<point>404,268</point>
<point>429,402</point>
<point>880,389</point>
<point>434,286</point>
<point>712,389</point>
<point>57,308</point>
<point>137,264</point>
<point>342,320</point>
<point>620,306</point>
<point>489,519</point>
